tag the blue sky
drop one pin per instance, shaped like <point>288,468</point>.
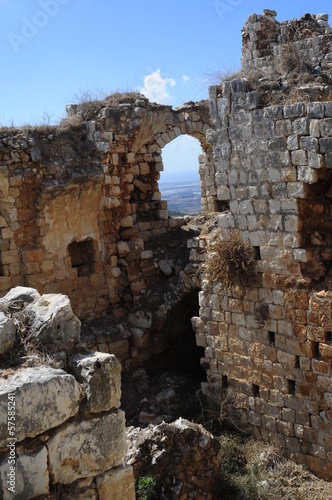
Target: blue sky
<point>52,51</point>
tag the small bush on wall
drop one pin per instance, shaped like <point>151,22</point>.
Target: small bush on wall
<point>231,262</point>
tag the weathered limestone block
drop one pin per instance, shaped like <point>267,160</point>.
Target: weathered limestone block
<point>117,484</point>
<point>45,398</point>
<point>7,334</point>
<point>20,294</point>
<point>88,448</point>
<point>31,476</point>
<point>53,322</point>
<point>101,375</point>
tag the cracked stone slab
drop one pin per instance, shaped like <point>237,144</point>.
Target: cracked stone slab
<point>87,448</point>
<point>44,398</point>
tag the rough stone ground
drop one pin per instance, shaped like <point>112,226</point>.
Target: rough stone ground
<point>249,468</point>
<point>161,397</point>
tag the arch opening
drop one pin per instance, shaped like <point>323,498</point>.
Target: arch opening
<point>180,180</point>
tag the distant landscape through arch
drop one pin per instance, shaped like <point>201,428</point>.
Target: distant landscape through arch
<point>180,181</point>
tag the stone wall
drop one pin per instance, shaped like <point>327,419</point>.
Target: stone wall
<point>80,201</point>
<point>266,42</point>
<point>267,350</point>
<point>81,213</point>
<point>61,429</point>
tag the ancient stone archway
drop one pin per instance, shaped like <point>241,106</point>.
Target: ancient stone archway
<point>159,129</point>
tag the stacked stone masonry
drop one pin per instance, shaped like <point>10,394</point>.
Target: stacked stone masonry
<point>80,210</point>
<point>265,41</point>
<point>269,351</point>
<point>61,428</point>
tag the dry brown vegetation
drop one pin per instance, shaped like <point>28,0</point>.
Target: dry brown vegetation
<point>91,103</point>
<point>26,351</point>
<point>254,470</point>
<point>231,262</point>
<point>295,73</point>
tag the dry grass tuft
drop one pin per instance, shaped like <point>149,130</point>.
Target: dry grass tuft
<point>295,95</point>
<point>293,62</point>
<point>26,351</point>
<point>90,103</point>
<point>254,470</point>
<point>231,262</point>
<point>221,75</point>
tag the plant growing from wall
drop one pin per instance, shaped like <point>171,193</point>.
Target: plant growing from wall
<point>231,262</point>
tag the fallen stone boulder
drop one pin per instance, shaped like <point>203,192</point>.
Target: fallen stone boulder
<point>19,295</point>
<point>181,456</point>
<point>87,448</point>
<point>53,323</point>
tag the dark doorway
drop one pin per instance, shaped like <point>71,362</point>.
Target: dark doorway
<point>181,353</point>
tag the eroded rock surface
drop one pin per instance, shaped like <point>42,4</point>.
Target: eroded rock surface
<point>101,375</point>
<point>182,456</point>
<point>53,322</point>
<point>45,397</point>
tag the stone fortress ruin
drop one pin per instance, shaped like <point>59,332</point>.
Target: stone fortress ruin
<point>81,215</point>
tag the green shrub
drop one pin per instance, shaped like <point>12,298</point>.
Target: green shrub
<point>146,488</point>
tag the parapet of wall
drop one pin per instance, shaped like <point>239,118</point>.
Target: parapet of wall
<point>266,42</point>
<point>61,429</point>
<point>80,201</point>
<point>268,351</point>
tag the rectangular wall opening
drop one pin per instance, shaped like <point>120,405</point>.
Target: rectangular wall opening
<point>257,251</point>
<point>328,337</point>
<point>255,391</point>
<point>82,256</point>
<point>272,339</point>
<point>315,350</point>
<point>291,387</point>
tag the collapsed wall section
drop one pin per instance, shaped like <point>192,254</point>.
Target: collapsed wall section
<point>266,42</point>
<point>80,201</point>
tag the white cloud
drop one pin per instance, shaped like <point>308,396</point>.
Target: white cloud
<point>156,87</point>
<point>185,78</point>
